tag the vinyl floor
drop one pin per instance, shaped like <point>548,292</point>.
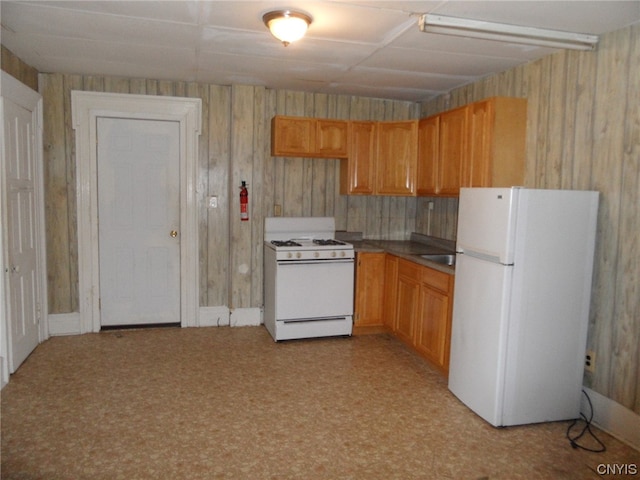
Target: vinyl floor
<point>229,403</point>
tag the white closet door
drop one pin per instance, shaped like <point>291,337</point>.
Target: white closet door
<point>25,302</point>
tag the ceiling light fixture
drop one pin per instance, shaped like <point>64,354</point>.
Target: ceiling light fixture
<point>506,33</point>
<point>287,25</point>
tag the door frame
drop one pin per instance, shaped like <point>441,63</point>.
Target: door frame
<point>21,94</point>
<point>86,107</point>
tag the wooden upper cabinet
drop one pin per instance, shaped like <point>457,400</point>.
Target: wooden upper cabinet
<point>332,138</point>
<point>292,136</point>
<point>428,153</point>
<point>482,144</point>
<point>397,158</point>
<point>358,172</point>
<point>497,143</point>
<point>453,150</point>
<point>308,137</point>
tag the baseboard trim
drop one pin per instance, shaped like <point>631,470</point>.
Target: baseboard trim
<point>61,324</point>
<point>246,317</point>
<point>369,330</point>
<point>64,324</point>
<point>615,419</point>
<point>214,316</point>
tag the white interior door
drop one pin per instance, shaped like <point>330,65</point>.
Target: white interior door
<point>138,217</point>
<point>25,292</point>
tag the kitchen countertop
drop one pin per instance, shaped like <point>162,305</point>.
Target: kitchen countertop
<point>410,249</point>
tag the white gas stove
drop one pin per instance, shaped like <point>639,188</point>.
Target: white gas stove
<point>308,279</point>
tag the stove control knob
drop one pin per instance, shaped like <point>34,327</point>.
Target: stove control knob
<point>316,254</point>
<point>333,254</point>
<point>289,255</point>
<point>342,254</point>
<point>298,255</point>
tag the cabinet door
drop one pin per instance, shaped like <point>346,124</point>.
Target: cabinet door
<point>331,138</point>
<point>357,174</point>
<point>431,338</point>
<point>292,136</point>
<point>453,140</point>
<point>369,289</point>
<point>476,171</point>
<point>408,300</point>
<point>428,153</point>
<point>390,291</point>
<point>397,158</point>
<point>432,335</point>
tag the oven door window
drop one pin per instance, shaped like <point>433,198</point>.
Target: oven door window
<point>314,290</point>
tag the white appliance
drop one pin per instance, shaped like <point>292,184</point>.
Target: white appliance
<point>308,279</point>
<point>521,303</point>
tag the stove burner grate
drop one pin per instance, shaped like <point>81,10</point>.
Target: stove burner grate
<point>285,243</point>
<point>330,241</point>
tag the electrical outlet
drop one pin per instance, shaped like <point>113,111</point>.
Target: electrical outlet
<point>590,361</point>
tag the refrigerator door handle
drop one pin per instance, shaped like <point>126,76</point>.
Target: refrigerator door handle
<point>483,256</point>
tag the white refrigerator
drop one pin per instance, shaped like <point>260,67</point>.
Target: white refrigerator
<point>524,260</point>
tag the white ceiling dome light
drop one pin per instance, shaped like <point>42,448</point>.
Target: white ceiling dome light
<point>287,25</point>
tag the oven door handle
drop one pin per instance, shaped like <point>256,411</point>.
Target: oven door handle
<point>311,320</point>
<point>314,262</point>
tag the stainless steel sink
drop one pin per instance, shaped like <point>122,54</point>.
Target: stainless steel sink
<point>443,258</point>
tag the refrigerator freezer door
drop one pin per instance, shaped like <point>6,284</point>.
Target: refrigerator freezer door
<point>486,223</point>
<point>479,335</point>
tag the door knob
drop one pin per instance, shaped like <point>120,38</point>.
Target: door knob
<point>15,269</point>
<point>173,233</point>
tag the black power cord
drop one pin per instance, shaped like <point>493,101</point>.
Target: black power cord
<point>573,440</point>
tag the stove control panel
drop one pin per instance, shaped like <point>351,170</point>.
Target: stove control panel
<point>315,254</point>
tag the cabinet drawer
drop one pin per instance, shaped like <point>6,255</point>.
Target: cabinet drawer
<point>436,279</point>
<point>409,269</point>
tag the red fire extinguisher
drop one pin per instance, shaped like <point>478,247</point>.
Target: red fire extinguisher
<point>244,202</point>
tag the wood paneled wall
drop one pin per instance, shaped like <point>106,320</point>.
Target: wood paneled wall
<point>234,146</point>
<point>583,133</point>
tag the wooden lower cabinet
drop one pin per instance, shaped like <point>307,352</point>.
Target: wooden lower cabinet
<point>408,288</point>
<point>423,306</point>
<point>390,298</point>
<point>432,332</point>
<point>369,288</point>
<point>410,300</point>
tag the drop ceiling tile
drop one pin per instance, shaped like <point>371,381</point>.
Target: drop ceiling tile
<point>416,80</point>
<point>183,11</point>
<point>174,59</point>
<point>223,40</point>
<point>339,21</point>
<point>98,66</point>
<point>56,22</point>
<point>272,71</point>
<point>408,60</point>
<point>390,92</point>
